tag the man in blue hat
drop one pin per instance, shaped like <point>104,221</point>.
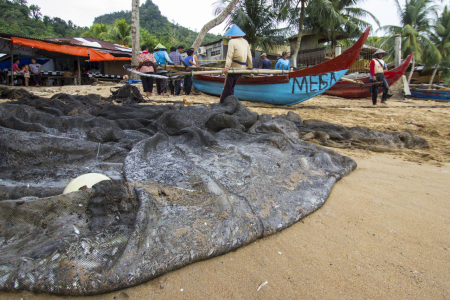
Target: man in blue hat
<point>239,56</point>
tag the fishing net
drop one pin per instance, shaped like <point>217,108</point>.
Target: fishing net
<point>188,183</point>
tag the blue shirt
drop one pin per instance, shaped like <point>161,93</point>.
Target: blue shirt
<point>186,60</point>
<point>266,64</point>
<point>162,58</point>
<point>284,64</point>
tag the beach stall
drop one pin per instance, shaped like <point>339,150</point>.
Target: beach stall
<point>70,61</point>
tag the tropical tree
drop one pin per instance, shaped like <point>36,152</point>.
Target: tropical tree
<point>135,31</point>
<point>96,31</point>
<point>334,18</point>
<point>147,39</point>
<point>119,33</point>
<point>440,37</point>
<point>258,20</point>
<point>415,26</point>
<point>221,16</point>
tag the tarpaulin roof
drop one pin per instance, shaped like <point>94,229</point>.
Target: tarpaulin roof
<point>92,42</point>
<point>94,55</point>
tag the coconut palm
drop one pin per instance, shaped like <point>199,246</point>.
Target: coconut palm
<point>334,18</point>
<point>135,31</point>
<point>119,33</point>
<point>96,31</point>
<point>258,20</point>
<point>343,19</point>
<point>415,26</point>
<point>440,37</point>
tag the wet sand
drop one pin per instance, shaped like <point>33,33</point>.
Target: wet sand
<point>384,232</point>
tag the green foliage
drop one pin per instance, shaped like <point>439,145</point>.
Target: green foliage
<point>258,20</point>
<point>336,19</point>
<point>16,17</point>
<point>150,18</point>
<point>440,37</point>
<point>414,30</point>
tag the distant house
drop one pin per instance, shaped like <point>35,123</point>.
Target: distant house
<point>107,67</point>
<point>215,53</point>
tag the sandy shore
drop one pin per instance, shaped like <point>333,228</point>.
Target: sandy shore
<point>384,232</point>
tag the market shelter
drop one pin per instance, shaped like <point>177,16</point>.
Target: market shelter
<point>111,59</point>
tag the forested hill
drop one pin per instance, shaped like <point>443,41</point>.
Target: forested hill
<point>151,19</point>
<point>16,17</point>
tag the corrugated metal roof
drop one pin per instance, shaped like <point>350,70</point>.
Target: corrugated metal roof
<point>92,42</point>
<point>77,41</point>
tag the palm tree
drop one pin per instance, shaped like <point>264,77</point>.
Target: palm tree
<point>221,13</point>
<point>258,20</point>
<point>343,19</point>
<point>120,33</point>
<point>330,17</point>
<point>415,25</point>
<point>440,37</point>
<point>134,31</point>
<point>96,31</point>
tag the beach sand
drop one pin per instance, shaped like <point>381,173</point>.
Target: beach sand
<point>384,232</point>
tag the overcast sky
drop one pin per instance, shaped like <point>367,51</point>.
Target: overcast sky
<point>190,14</point>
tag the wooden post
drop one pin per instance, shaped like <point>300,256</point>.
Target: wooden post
<point>398,50</point>
<point>12,63</point>
<point>79,70</point>
<point>338,50</point>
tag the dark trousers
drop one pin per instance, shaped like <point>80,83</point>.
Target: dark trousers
<point>228,88</point>
<point>36,78</point>
<point>147,83</point>
<point>161,85</point>
<point>187,84</point>
<point>384,87</point>
<point>175,86</point>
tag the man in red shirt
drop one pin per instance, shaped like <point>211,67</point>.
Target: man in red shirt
<point>377,69</point>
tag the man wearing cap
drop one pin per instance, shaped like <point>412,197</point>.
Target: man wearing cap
<point>265,63</point>
<point>377,69</point>
<point>162,59</point>
<point>239,56</point>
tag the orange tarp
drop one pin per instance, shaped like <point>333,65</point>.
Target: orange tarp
<point>94,55</point>
<point>66,49</point>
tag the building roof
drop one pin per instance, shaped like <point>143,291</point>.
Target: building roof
<point>91,42</point>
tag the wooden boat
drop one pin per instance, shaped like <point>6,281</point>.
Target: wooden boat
<point>440,94</point>
<point>289,89</point>
<point>350,90</point>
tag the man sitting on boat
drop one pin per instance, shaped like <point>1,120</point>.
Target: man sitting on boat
<point>377,69</point>
<point>238,56</point>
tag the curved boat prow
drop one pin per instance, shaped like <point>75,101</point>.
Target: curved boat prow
<point>345,89</point>
<point>339,63</point>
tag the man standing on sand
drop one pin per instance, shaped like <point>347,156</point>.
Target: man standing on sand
<point>265,63</point>
<point>377,69</point>
<point>175,56</point>
<point>35,69</point>
<point>238,56</point>
<point>147,65</point>
<point>162,59</point>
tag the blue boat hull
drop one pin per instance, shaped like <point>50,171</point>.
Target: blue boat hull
<point>431,94</point>
<point>297,90</point>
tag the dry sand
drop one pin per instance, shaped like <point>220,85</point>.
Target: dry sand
<point>384,232</point>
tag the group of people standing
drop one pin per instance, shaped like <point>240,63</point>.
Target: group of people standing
<point>155,63</point>
<point>32,70</point>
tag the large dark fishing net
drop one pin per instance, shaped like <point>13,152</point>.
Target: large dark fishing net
<point>188,183</point>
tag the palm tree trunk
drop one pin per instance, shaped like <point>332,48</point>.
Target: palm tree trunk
<point>213,23</point>
<point>135,31</point>
<point>299,36</point>
<point>432,76</point>
<point>412,68</point>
